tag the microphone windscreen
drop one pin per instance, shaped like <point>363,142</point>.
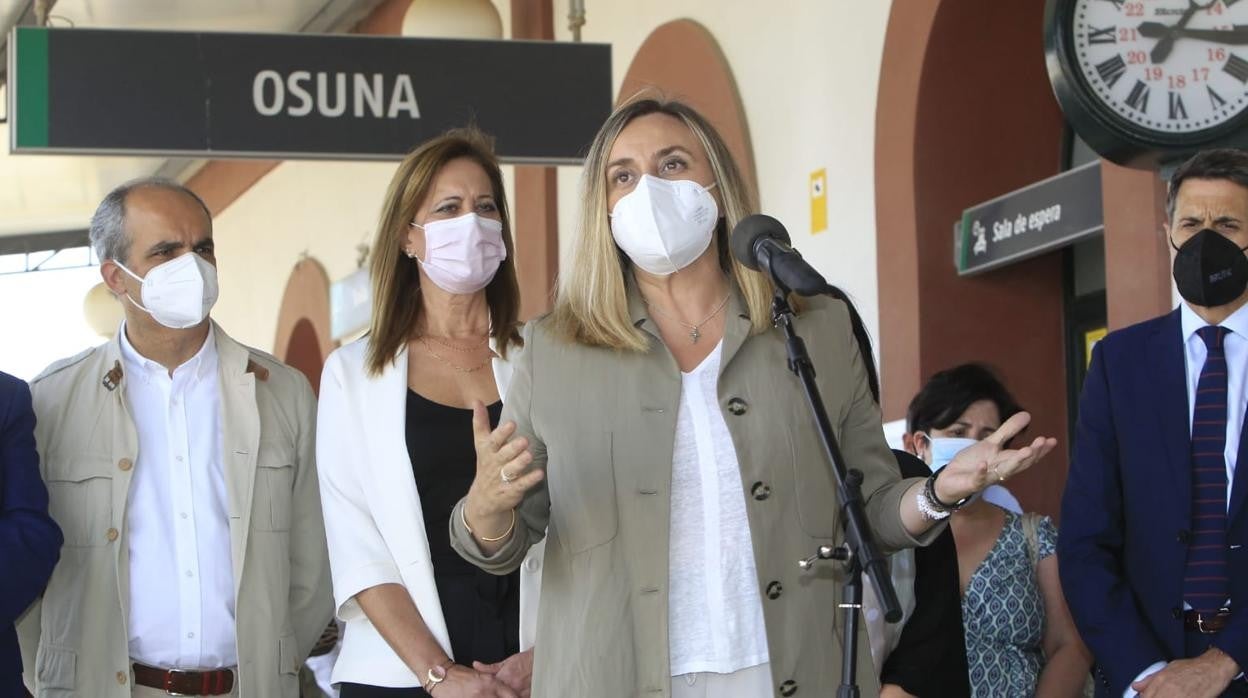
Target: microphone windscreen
<point>749,231</point>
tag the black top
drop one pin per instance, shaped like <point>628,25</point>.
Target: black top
<point>482,610</point>
<point>930,657</point>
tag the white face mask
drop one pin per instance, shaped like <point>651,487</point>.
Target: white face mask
<point>462,254</point>
<point>179,293</point>
<point>664,225</point>
<point>941,450</point>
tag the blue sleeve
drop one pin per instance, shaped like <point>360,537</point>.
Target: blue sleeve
<point>1090,548</point>
<point>1046,538</point>
<point>30,541</point>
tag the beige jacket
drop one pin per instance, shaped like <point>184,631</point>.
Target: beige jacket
<point>74,642</point>
<point>602,423</point>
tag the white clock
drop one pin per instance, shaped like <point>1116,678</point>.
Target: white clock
<point>1140,78</point>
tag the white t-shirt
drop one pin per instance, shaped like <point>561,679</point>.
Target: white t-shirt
<point>715,609</point>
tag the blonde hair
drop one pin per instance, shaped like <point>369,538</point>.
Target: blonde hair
<point>397,304</point>
<point>592,303</point>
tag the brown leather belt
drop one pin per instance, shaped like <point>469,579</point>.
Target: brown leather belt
<point>185,683</point>
<point>1206,623</point>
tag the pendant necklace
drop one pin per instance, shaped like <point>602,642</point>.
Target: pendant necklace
<point>695,332</point>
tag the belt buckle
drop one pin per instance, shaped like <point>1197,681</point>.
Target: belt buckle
<point>1200,625</point>
<point>1200,621</point>
<point>169,682</point>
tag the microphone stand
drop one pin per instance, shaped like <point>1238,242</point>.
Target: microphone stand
<point>859,551</point>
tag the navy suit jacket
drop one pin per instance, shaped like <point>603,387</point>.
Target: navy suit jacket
<point>1127,511</point>
<point>30,541</point>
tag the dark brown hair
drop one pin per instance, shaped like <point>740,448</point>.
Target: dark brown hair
<point>395,278</point>
<point>1219,163</point>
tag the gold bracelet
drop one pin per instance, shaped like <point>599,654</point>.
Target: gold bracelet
<point>464,518</point>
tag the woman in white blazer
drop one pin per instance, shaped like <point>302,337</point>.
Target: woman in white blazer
<point>395,440</point>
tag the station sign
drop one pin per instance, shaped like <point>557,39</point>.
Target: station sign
<point>1044,216</point>
<point>299,96</point>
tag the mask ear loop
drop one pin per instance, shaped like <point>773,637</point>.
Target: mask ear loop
<point>927,437</point>
<point>136,277</point>
<point>409,253</point>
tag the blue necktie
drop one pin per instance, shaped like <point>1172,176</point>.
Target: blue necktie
<point>1206,584</point>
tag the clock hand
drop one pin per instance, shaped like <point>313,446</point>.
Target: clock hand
<point>1161,51</point>
<point>1236,36</point>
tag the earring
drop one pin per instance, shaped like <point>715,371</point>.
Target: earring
<point>410,254</point>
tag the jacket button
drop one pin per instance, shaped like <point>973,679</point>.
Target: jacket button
<point>1184,537</point>
<point>122,678</point>
<point>532,564</point>
<point>1176,613</point>
<point>774,590</point>
<point>761,491</point>
<point>737,406</point>
<point>111,535</point>
<point>125,464</point>
<point>788,688</point>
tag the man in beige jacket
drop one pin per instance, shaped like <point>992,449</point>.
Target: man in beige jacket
<point>180,465</point>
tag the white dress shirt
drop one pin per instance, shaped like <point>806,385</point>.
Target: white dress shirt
<point>177,518</point>
<point>1235,345</point>
<point>715,610</point>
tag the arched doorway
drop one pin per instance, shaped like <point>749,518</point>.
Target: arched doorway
<point>965,115</point>
<point>303,337</point>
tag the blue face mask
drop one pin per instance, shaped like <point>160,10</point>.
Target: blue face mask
<point>944,449</point>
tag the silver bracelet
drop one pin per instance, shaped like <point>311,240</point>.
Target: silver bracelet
<point>927,508</point>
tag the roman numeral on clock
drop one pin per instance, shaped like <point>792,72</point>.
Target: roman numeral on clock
<point>1111,69</point>
<point>1237,68</point>
<point>1177,110</point>
<point>1108,35</point>
<point>1138,99</point>
<point>1215,98</point>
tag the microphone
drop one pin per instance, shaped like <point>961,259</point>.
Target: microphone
<point>760,242</point>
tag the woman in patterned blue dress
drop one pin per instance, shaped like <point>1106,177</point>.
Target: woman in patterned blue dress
<point>1020,639</point>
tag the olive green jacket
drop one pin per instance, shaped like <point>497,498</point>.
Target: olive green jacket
<point>603,422</point>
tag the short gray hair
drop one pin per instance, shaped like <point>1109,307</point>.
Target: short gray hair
<point>108,224</point>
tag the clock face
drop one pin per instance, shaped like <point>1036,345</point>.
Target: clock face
<point>1170,67</point>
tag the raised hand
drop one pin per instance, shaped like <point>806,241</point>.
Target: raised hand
<point>501,480</point>
<point>988,463</point>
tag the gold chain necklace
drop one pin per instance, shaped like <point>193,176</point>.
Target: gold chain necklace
<point>461,369</point>
<point>456,347</point>
<point>695,332</point>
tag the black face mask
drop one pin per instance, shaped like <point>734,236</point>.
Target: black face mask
<point>1210,270</point>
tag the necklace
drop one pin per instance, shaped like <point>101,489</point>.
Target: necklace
<point>456,347</point>
<point>695,332</point>
<point>461,369</point>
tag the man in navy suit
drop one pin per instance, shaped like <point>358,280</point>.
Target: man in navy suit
<point>1154,521</point>
<point>30,542</point>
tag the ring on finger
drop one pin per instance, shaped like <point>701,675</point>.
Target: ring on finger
<point>502,472</point>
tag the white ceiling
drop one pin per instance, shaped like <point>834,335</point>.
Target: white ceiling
<point>46,193</point>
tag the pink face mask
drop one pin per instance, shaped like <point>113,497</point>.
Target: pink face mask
<point>462,254</point>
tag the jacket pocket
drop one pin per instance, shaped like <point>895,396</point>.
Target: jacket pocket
<point>581,476</point>
<point>288,660</point>
<point>274,485</point>
<point>80,498</point>
<point>57,668</point>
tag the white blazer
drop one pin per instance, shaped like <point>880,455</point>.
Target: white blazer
<point>373,518</point>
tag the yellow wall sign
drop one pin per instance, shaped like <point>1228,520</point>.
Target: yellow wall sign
<point>818,201</point>
<point>1090,338</point>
